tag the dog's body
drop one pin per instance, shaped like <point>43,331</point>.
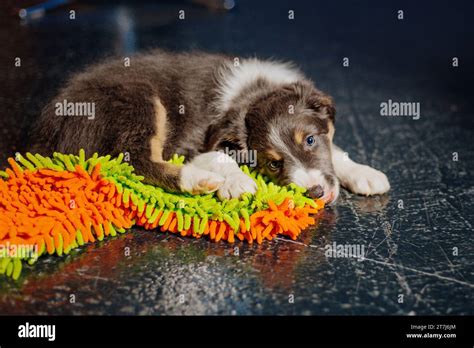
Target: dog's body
<point>196,104</point>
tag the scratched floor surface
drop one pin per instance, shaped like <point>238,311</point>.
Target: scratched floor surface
<point>417,240</point>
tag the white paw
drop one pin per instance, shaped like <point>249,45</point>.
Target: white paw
<point>235,185</point>
<point>367,181</point>
<point>217,162</point>
<point>199,181</point>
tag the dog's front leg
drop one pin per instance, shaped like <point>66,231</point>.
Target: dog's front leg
<point>236,182</point>
<point>358,178</point>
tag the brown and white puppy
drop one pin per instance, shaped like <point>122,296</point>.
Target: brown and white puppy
<point>198,104</point>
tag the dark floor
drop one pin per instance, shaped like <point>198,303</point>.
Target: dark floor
<point>418,239</point>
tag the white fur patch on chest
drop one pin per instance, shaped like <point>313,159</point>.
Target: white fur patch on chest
<point>234,80</point>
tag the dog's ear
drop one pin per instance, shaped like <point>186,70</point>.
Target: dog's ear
<point>322,104</point>
<point>228,133</point>
<point>314,99</point>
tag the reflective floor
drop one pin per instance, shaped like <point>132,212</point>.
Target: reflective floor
<point>417,241</point>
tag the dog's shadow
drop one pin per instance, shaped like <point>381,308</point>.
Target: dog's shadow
<point>370,204</point>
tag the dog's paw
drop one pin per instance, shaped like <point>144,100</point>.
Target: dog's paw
<point>365,180</point>
<point>199,181</point>
<point>235,185</point>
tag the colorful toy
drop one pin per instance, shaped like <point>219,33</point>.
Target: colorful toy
<point>52,205</point>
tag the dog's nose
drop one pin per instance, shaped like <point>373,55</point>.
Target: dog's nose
<point>316,191</point>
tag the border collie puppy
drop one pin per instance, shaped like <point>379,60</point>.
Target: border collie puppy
<point>197,105</point>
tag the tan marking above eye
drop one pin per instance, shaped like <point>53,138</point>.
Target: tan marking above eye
<point>299,136</point>
<point>274,155</point>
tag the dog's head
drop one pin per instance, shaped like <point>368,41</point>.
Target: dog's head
<point>290,129</point>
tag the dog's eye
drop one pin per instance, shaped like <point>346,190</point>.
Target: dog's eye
<point>275,165</point>
<point>310,140</point>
